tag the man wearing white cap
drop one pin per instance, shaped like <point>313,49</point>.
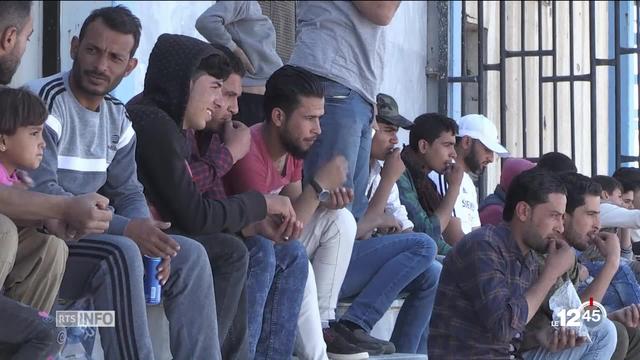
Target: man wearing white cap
<point>476,145</point>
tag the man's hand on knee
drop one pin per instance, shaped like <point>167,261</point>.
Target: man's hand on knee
<point>150,238</point>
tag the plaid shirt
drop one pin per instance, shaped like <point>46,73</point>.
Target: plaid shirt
<point>422,222</point>
<point>542,319</point>
<point>480,310</point>
<point>208,169</point>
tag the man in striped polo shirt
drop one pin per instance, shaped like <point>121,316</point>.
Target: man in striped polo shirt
<point>91,147</point>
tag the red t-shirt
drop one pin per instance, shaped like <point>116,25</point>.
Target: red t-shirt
<point>256,171</point>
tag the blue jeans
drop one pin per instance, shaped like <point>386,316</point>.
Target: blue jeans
<point>275,285</point>
<point>623,290</point>
<point>382,268</point>
<point>603,344</point>
<point>346,131</point>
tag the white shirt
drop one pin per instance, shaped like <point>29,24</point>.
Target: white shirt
<point>394,207</point>
<point>615,216</point>
<point>466,207</point>
<point>612,215</point>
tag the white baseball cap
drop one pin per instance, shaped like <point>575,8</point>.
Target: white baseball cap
<point>477,126</point>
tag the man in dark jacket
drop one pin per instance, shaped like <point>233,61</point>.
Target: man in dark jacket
<point>181,91</point>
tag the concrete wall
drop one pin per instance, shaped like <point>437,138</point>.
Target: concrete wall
<point>72,15</point>
<point>404,56</point>
<point>31,64</point>
<point>404,53</point>
<point>403,46</point>
<point>405,60</point>
<point>157,18</point>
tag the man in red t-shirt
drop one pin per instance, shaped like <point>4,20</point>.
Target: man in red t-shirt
<point>294,103</point>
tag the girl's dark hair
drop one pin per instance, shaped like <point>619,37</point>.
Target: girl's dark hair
<point>20,107</point>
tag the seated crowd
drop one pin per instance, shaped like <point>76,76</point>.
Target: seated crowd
<point>262,230</point>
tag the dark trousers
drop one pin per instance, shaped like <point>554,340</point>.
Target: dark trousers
<point>229,260</point>
<point>250,109</point>
<point>26,333</point>
<point>628,347</point>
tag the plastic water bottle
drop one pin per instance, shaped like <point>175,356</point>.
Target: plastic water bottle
<point>73,348</point>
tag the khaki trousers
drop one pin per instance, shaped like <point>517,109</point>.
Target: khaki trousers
<point>31,265</point>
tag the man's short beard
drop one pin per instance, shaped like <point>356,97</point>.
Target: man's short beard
<point>472,162</point>
<point>77,74</point>
<point>534,241</point>
<point>571,236</point>
<point>290,146</point>
<point>8,67</point>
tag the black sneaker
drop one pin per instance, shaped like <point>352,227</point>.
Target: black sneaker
<point>362,339</point>
<point>340,349</point>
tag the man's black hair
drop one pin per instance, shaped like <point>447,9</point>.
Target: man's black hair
<point>286,86</point>
<point>557,162</point>
<point>578,187</point>
<point>117,18</point>
<point>429,127</point>
<point>237,67</point>
<point>608,183</point>
<point>629,178</point>
<point>533,187</point>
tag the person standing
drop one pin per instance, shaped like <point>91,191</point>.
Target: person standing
<point>338,41</point>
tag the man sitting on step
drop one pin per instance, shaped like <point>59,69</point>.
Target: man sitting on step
<point>388,257</point>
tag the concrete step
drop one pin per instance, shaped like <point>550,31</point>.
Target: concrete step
<point>159,331</point>
<point>393,357</point>
<point>401,357</point>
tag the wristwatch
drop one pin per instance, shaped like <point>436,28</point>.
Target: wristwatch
<point>323,194</point>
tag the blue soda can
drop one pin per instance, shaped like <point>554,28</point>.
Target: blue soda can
<point>152,287</point>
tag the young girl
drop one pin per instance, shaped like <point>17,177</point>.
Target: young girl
<point>21,143</point>
<point>26,329</point>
